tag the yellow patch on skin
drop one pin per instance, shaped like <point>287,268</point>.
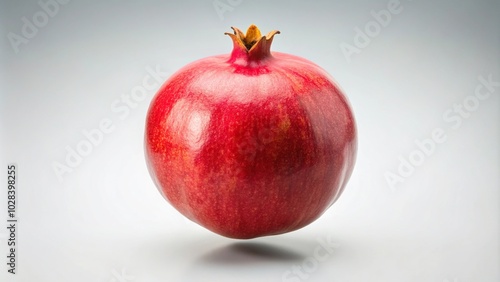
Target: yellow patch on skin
<point>284,124</point>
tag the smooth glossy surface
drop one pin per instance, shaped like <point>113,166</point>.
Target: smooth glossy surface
<point>249,149</point>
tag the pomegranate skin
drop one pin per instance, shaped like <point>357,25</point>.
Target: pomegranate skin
<point>250,144</point>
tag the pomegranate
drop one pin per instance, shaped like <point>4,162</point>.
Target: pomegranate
<point>252,143</point>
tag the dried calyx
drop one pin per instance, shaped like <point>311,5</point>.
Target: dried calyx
<point>252,44</point>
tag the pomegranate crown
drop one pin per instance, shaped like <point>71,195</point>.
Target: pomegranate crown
<point>253,44</point>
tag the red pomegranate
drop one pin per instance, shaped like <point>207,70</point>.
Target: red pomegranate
<point>253,143</point>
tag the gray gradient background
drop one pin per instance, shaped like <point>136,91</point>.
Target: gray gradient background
<point>441,224</point>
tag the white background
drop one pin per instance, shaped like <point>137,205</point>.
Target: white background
<point>107,222</point>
